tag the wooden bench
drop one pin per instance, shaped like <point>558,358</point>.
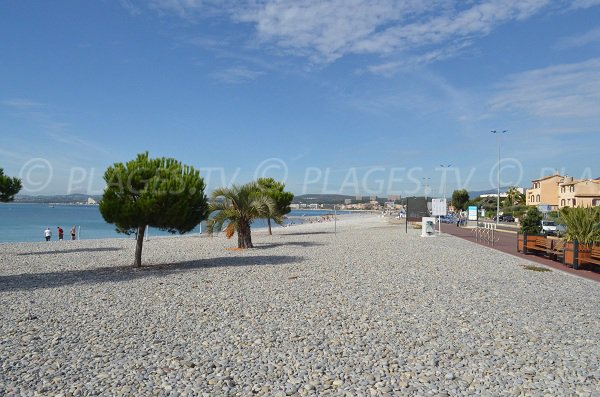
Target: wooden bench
<point>594,255</point>
<point>537,244</point>
<point>543,244</point>
<point>551,246</point>
<point>558,248</point>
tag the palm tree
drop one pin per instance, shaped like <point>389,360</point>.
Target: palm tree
<point>514,196</point>
<point>583,224</point>
<point>237,207</point>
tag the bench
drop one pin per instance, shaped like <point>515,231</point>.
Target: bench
<point>550,246</point>
<point>558,248</point>
<point>543,244</point>
<point>537,244</point>
<point>594,255</point>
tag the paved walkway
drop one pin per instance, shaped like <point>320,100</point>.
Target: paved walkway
<point>508,243</point>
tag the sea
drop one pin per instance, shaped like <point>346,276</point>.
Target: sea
<point>21,222</point>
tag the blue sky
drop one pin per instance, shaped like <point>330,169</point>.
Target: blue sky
<point>340,96</point>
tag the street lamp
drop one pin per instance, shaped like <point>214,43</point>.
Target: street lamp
<point>425,186</point>
<point>445,179</point>
<point>498,133</point>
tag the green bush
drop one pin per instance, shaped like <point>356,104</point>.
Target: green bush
<point>553,215</point>
<point>531,222</point>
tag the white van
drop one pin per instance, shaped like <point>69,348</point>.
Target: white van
<point>549,228</point>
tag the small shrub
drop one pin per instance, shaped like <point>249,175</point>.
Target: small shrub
<point>531,222</point>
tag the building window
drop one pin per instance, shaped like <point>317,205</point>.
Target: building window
<point>595,202</point>
<point>531,198</point>
<point>537,198</point>
<point>562,189</point>
<point>574,202</point>
<point>562,202</point>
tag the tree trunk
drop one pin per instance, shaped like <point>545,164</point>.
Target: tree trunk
<point>269,223</point>
<point>244,236</point>
<point>138,246</point>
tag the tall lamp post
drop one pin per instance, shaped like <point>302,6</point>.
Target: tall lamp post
<point>445,179</point>
<point>425,187</point>
<point>498,133</point>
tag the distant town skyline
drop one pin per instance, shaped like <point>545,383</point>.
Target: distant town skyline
<point>334,97</point>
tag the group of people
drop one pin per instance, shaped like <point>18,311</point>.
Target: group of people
<point>61,233</point>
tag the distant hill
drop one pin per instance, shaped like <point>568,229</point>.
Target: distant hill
<point>477,193</point>
<point>65,198</point>
<point>301,199</point>
<point>339,198</point>
<point>332,199</point>
<point>321,198</point>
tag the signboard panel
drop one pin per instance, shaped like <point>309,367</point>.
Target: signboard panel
<point>416,208</point>
<point>438,207</point>
<point>544,208</point>
<point>472,213</point>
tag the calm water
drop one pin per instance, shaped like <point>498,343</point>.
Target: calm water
<point>26,222</point>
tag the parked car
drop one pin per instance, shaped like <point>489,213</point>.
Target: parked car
<point>549,228</point>
<point>507,218</point>
<point>448,219</point>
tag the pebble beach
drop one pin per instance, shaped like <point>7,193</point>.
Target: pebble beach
<point>367,311</point>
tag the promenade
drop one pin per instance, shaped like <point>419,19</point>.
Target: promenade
<point>507,243</point>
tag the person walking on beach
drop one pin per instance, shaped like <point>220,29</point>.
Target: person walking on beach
<point>73,233</point>
<point>47,234</point>
<point>61,233</point>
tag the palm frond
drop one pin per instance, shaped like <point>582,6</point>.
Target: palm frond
<point>582,224</point>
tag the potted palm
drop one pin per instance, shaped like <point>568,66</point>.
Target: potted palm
<point>583,230</point>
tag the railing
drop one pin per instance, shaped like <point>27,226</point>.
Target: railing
<point>486,232</point>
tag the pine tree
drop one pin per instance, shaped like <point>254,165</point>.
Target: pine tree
<point>9,187</point>
<point>282,199</point>
<point>159,192</point>
<point>460,198</point>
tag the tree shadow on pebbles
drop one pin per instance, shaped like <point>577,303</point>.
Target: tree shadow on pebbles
<point>304,244</point>
<point>304,233</point>
<point>108,274</point>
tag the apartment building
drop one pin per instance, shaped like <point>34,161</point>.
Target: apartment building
<point>579,193</point>
<point>559,191</point>
<point>544,191</point>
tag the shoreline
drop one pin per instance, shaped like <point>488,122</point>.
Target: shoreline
<point>26,222</point>
<point>257,230</point>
